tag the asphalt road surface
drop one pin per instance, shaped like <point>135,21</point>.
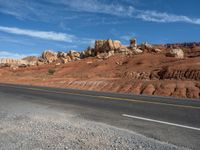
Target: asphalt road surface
<point>171,120</point>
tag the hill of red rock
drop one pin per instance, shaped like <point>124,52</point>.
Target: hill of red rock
<point>164,70</point>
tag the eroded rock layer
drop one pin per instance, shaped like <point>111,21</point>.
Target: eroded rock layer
<point>165,70</point>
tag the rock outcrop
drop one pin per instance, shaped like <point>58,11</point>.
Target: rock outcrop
<point>74,55</point>
<point>63,57</point>
<point>105,55</point>
<point>49,56</point>
<point>146,47</point>
<point>11,62</point>
<point>89,52</point>
<point>136,51</point>
<point>138,75</point>
<point>188,73</point>
<point>133,43</point>
<point>177,53</point>
<point>31,60</point>
<point>104,46</point>
<point>138,69</point>
<point>124,50</point>
<point>133,49</point>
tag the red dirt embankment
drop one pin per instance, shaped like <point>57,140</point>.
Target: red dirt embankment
<point>148,73</point>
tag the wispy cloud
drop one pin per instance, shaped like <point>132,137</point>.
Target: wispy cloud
<point>95,6</point>
<point>50,35</point>
<point>120,10</point>
<point>45,9</point>
<point>155,16</point>
<point>7,54</point>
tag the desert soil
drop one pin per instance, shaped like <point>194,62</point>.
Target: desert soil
<point>148,74</point>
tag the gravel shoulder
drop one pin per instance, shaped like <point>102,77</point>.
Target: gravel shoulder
<point>27,125</point>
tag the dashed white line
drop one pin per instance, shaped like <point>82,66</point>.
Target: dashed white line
<point>162,122</point>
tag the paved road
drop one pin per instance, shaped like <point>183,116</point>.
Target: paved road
<point>167,119</point>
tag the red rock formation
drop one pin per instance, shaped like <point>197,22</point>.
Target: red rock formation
<point>188,73</point>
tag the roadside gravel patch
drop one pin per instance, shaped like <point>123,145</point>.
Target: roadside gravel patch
<point>26,125</point>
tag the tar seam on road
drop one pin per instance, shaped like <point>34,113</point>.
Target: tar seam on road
<point>162,122</point>
<point>110,98</point>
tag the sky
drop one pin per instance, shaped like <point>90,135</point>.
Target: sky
<point>28,27</point>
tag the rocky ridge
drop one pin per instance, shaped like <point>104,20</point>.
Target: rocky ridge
<point>167,70</point>
<point>103,49</point>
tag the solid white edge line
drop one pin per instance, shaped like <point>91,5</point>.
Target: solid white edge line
<point>162,122</point>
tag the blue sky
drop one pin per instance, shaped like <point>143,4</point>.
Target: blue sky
<point>27,27</point>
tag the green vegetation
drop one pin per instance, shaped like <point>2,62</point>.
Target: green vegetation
<point>51,71</point>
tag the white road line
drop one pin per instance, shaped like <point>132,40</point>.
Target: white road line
<point>162,122</point>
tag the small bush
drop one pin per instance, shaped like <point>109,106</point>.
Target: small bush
<point>51,71</point>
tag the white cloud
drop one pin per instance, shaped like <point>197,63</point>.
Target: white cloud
<point>45,10</point>
<point>128,11</point>
<point>165,17</point>
<point>50,35</point>
<point>7,54</point>
<point>95,6</point>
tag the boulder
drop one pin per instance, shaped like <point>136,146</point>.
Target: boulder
<point>146,47</point>
<point>49,56</point>
<point>62,55</point>
<point>74,55</point>
<point>177,53</point>
<point>124,50</point>
<point>149,48</point>
<point>137,51</point>
<point>116,44</point>
<point>133,43</point>
<point>156,50</point>
<point>102,46</point>
<point>105,55</point>
<point>64,60</point>
<point>14,67</point>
